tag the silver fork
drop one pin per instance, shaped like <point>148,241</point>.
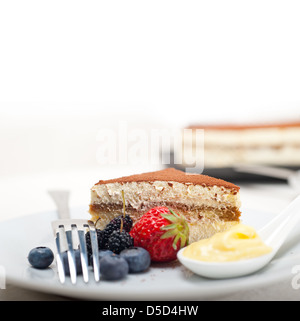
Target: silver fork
<point>61,200</point>
<point>69,235</point>
<point>292,176</point>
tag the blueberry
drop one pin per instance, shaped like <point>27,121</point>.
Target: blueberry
<point>102,253</point>
<point>113,267</point>
<point>77,262</point>
<point>40,257</point>
<point>138,259</point>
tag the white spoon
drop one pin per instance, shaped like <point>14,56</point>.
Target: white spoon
<point>273,234</point>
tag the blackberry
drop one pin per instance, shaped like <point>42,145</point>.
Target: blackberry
<point>119,241</point>
<point>104,235</point>
<point>115,224</point>
<point>101,238</point>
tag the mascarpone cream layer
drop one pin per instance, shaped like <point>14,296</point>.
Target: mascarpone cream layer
<point>137,193</point>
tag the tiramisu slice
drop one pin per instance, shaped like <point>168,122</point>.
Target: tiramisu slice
<point>209,205</point>
<point>275,144</point>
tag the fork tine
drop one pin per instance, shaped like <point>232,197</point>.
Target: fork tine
<point>60,266</point>
<point>83,255</point>
<point>71,257</point>
<point>95,252</point>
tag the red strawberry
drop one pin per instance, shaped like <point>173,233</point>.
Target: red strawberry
<point>162,233</point>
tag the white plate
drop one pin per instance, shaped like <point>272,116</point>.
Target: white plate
<point>161,282</point>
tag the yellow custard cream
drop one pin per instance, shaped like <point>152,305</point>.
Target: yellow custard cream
<point>239,242</point>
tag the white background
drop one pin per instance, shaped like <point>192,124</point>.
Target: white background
<point>181,61</point>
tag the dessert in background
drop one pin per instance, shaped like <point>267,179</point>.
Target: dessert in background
<point>276,144</point>
<point>209,205</point>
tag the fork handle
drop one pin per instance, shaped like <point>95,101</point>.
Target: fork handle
<point>61,199</point>
<point>277,172</point>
